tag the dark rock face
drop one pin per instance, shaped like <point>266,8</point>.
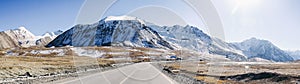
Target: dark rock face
<point>104,34</point>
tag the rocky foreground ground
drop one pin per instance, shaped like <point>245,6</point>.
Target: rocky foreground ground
<point>233,72</point>
<point>27,69</point>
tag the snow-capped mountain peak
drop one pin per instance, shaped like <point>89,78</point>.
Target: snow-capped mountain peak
<point>124,17</point>
<point>48,34</point>
<point>52,35</point>
<point>23,33</point>
<point>256,40</point>
<point>22,28</point>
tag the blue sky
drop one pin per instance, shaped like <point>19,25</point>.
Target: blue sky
<point>275,20</point>
<point>39,16</point>
<point>160,12</point>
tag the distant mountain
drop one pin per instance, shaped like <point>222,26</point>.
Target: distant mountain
<point>192,38</point>
<point>17,37</point>
<point>294,54</point>
<point>52,35</point>
<point>21,37</point>
<point>263,49</point>
<point>113,31</point>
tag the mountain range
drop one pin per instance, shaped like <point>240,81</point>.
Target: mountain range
<point>134,32</point>
<point>21,37</point>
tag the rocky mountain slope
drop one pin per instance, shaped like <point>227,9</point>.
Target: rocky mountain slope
<point>192,38</point>
<point>113,31</point>
<point>294,54</point>
<point>263,49</point>
<point>7,42</point>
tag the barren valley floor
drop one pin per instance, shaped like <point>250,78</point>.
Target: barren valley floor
<point>46,65</point>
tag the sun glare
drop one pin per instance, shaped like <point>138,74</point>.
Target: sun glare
<point>245,4</point>
<point>248,3</point>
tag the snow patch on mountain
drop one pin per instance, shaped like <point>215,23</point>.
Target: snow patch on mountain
<point>84,52</point>
<point>118,18</point>
<point>60,52</point>
<point>257,59</point>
